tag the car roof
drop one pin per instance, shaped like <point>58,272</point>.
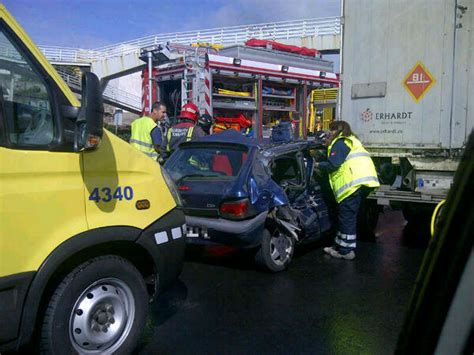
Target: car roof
<point>231,136</point>
<point>228,136</point>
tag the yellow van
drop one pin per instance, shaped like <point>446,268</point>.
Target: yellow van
<point>90,228</point>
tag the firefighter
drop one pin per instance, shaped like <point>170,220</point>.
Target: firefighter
<point>205,122</point>
<point>352,176</point>
<point>183,131</point>
<point>146,134</point>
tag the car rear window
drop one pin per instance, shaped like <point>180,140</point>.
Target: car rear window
<point>206,163</point>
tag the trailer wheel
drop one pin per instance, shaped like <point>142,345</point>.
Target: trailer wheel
<point>99,307</point>
<point>367,220</point>
<point>409,212</point>
<point>276,250</point>
<point>417,229</point>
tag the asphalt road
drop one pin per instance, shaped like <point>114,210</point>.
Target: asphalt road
<point>224,305</point>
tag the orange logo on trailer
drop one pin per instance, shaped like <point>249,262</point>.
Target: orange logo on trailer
<point>418,81</point>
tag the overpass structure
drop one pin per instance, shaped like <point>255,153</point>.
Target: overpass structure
<point>112,95</point>
<point>118,60</point>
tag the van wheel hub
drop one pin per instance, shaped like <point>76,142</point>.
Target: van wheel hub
<point>102,316</point>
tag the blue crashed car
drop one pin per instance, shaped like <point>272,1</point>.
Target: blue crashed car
<point>247,193</point>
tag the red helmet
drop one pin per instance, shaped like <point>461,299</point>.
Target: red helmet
<point>190,111</point>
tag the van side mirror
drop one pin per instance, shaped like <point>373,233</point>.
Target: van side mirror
<point>89,124</point>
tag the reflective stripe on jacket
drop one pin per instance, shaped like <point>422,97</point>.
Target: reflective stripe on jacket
<point>175,134</point>
<point>141,136</point>
<point>356,171</point>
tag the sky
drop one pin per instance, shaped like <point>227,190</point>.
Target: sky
<point>92,24</point>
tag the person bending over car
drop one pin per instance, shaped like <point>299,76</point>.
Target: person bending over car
<point>352,176</point>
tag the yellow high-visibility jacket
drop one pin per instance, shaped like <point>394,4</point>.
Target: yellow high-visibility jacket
<point>357,170</point>
<point>141,136</point>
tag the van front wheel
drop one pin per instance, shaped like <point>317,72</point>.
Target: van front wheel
<point>99,307</point>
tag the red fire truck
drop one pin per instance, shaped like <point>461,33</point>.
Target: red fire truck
<point>239,84</point>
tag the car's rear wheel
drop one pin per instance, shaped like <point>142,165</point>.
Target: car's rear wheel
<point>99,307</point>
<point>276,251</point>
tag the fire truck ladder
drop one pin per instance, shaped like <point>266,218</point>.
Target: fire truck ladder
<point>195,86</point>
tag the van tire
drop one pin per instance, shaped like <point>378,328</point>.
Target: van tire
<point>104,297</point>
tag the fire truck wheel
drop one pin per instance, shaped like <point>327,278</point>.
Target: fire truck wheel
<point>99,307</point>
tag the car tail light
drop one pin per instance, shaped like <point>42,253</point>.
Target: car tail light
<point>183,188</point>
<point>235,209</point>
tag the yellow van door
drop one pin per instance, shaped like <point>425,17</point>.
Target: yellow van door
<point>41,191</point>
<point>116,177</point>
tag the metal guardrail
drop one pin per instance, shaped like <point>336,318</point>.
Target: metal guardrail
<point>123,97</point>
<point>111,93</point>
<point>223,35</point>
<point>71,78</point>
<point>233,34</point>
<point>69,55</point>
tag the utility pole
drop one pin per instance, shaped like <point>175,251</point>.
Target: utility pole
<point>150,80</point>
<point>118,119</point>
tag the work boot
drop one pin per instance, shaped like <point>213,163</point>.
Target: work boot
<point>329,250</point>
<point>335,253</point>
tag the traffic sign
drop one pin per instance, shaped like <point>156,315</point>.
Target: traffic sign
<point>418,81</point>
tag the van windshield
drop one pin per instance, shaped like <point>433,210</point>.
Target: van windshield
<point>206,163</point>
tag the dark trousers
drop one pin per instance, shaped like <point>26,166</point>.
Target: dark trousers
<point>347,213</point>
<point>348,210</point>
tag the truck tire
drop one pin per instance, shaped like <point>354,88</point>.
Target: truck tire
<point>276,250</point>
<point>409,212</point>
<point>417,229</point>
<point>367,220</point>
<point>99,307</point>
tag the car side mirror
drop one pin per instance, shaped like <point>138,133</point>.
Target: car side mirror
<point>89,124</point>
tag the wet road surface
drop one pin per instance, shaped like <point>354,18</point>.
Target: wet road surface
<point>224,305</point>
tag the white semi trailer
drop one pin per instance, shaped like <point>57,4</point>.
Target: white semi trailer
<point>407,74</point>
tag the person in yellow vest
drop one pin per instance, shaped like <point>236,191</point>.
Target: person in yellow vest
<point>146,133</point>
<point>185,130</point>
<point>352,176</point>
